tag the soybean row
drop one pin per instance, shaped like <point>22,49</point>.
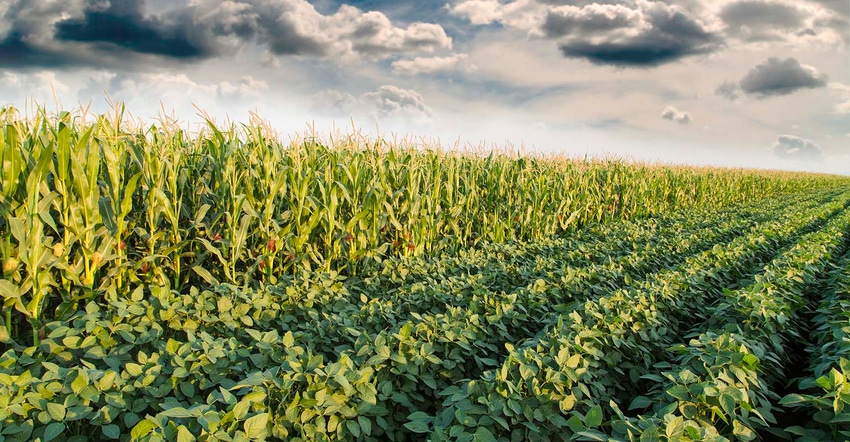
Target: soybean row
<point>593,353</point>
<point>822,403</point>
<point>747,337</point>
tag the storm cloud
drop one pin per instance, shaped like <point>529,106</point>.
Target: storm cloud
<point>775,77</point>
<point>17,52</point>
<point>44,33</point>
<point>123,23</point>
<point>668,35</point>
<point>636,33</point>
<point>26,29</point>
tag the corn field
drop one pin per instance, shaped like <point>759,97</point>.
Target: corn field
<point>371,270</point>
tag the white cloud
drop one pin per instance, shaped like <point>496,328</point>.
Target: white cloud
<point>147,94</point>
<point>245,86</point>
<point>843,92</point>
<point>673,114</point>
<point>593,19</point>
<point>136,85</point>
<point>431,65</point>
<point>521,14</point>
<point>796,148</point>
<point>295,27</point>
<point>334,102</point>
<point>41,86</point>
<point>392,100</point>
<point>387,101</point>
<point>372,33</point>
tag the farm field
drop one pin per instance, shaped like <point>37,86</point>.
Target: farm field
<point>161,285</point>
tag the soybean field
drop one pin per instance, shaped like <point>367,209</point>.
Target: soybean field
<point>223,285</point>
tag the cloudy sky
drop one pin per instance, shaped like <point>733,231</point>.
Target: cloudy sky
<point>756,83</point>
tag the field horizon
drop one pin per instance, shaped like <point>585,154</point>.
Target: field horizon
<point>332,134</point>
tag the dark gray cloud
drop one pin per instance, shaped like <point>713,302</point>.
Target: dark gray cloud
<point>90,32</point>
<point>24,28</point>
<point>16,52</point>
<point>651,35</point>
<point>796,148</point>
<point>774,77</point>
<point>123,23</point>
<point>781,77</point>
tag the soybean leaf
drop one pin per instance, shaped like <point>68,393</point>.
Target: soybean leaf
<point>594,417</point>
<point>53,430</point>
<point>255,427</point>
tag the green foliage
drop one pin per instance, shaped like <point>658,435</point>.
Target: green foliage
<point>593,354</point>
<point>825,393</point>
<point>225,286</point>
<point>90,208</point>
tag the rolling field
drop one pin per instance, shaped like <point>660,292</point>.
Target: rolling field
<point>161,285</point>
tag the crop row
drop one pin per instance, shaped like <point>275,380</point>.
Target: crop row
<point>325,307</point>
<point>505,266</point>
<point>418,357</point>
<point>721,384</point>
<point>596,354</point>
<point>87,209</point>
<point>823,400</point>
<point>543,286</point>
<point>135,365</point>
